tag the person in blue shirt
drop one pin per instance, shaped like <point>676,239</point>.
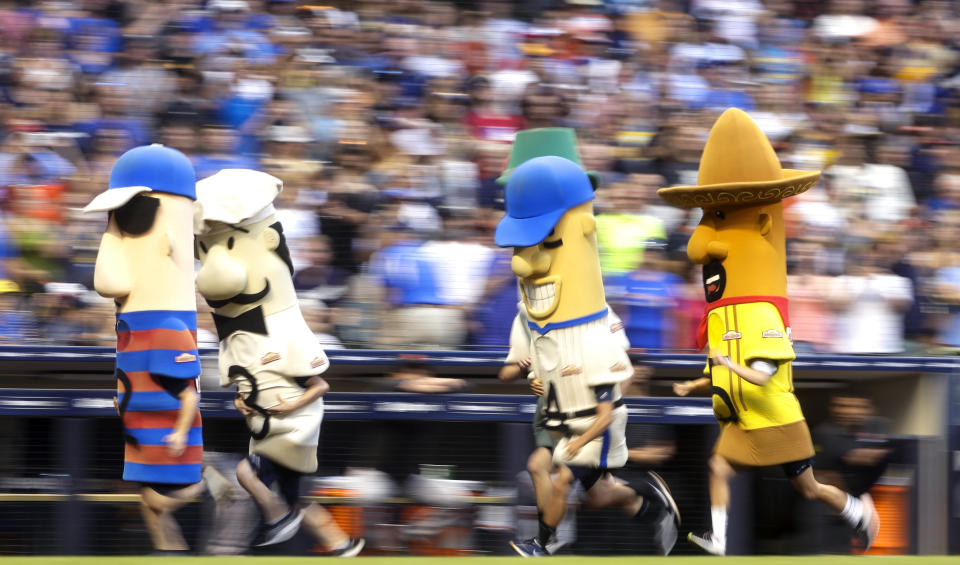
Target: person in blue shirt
<point>220,143</point>
<point>492,316</point>
<point>646,298</point>
<point>418,315</point>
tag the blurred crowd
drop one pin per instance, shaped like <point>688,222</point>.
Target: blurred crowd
<point>389,123</point>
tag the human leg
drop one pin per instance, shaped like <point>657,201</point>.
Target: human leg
<point>649,499</point>
<point>858,512</point>
<point>271,506</point>
<point>281,517</point>
<point>715,541</point>
<point>157,505</point>
<point>609,492</point>
<point>324,529</point>
<point>550,515</point>
<point>539,465</point>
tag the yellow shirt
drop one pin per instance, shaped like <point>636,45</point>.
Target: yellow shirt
<point>622,238</point>
<point>744,333</point>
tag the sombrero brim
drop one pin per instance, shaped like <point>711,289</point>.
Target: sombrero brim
<point>792,183</point>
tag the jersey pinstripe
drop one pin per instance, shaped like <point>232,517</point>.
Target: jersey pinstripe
<point>573,360</point>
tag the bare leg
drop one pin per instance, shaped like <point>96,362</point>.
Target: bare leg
<point>271,505</point>
<point>808,487</point>
<point>157,511</point>
<point>609,492</point>
<point>323,527</point>
<point>720,474</point>
<point>554,511</point>
<point>539,465</point>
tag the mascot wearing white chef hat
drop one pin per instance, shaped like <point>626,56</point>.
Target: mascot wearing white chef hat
<point>266,348</point>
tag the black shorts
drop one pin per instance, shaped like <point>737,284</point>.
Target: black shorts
<point>166,489</point>
<point>270,473</point>
<point>796,468</point>
<point>541,435</point>
<point>588,476</point>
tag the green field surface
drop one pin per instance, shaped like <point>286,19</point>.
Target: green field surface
<point>559,560</point>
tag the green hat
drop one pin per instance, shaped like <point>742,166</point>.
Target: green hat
<point>544,142</point>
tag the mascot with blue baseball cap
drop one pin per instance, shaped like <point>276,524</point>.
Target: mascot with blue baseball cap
<point>572,341</point>
<point>145,264</point>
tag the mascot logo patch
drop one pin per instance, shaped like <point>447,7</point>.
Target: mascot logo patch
<point>772,333</point>
<point>732,334</point>
<point>185,358</point>
<point>269,358</point>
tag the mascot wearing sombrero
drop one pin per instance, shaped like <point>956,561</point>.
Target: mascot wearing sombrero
<point>741,244</point>
<point>566,336</point>
<point>145,263</point>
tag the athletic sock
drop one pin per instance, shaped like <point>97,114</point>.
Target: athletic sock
<point>645,507</point>
<point>718,515</point>
<point>852,511</point>
<point>276,521</point>
<point>546,532</point>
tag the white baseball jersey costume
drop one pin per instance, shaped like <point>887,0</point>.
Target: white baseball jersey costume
<point>289,350</point>
<point>571,361</point>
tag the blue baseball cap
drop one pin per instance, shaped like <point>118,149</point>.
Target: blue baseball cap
<point>538,193</point>
<point>148,168</point>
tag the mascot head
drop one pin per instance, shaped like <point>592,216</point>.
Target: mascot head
<point>145,261</point>
<point>243,253</point>
<point>740,240</point>
<point>550,225</point>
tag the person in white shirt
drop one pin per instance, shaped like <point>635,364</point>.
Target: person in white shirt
<point>871,302</point>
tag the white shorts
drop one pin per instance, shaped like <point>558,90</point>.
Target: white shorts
<point>608,451</point>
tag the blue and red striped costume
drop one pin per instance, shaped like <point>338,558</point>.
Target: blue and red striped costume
<point>156,343</point>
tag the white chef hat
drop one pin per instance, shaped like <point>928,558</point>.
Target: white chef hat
<point>232,198</point>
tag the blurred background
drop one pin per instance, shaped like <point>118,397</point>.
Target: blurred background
<point>389,122</point>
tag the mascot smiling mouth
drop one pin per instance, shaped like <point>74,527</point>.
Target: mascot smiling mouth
<point>714,280</point>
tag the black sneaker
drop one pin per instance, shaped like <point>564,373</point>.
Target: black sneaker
<point>283,530</point>
<point>662,491</point>
<point>667,522</point>
<point>529,548</point>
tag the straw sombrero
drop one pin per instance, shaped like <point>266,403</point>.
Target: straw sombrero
<point>739,167</point>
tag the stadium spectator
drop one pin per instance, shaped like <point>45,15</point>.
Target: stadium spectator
<point>349,105</point>
<point>870,296</point>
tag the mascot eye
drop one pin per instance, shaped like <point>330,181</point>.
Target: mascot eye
<point>203,247</point>
<point>136,217</point>
<point>230,243</point>
<point>720,215</point>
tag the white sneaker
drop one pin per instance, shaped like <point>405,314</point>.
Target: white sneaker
<point>707,542</point>
<point>352,549</point>
<point>869,526</point>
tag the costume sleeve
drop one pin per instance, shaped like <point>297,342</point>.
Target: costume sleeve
<point>519,341</point>
<point>617,329</point>
<point>768,336</point>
